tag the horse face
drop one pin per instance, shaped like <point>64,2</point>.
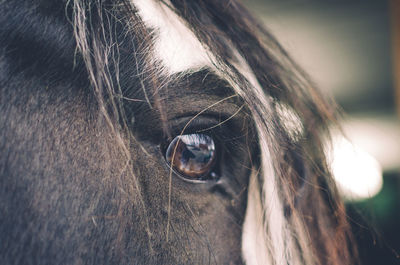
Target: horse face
<point>80,186</point>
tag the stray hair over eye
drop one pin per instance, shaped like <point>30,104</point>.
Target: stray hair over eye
<point>192,156</point>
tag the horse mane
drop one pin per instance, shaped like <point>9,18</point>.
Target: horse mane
<point>294,214</point>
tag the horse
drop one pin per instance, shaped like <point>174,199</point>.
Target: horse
<point>160,132</point>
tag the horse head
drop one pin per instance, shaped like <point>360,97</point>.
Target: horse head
<point>159,132</point>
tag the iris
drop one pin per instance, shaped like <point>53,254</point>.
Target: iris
<point>192,156</point>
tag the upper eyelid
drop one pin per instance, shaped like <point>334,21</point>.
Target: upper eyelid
<point>223,133</point>
<point>201,124</point>
<point>214,118</point>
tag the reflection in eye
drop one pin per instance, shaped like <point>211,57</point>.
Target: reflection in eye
<point>194,155</point>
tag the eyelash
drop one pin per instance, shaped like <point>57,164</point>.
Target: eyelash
<point>234,139</point>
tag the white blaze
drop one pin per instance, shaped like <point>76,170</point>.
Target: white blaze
<point>176,47</point>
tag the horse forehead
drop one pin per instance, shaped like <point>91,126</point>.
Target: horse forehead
<point>175,47</point>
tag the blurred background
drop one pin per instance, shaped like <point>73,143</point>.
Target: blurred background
<point>351,49</point>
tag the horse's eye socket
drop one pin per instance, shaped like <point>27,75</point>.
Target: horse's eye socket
<point>193,156</point>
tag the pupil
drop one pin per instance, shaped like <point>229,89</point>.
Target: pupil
<point>194,155</point>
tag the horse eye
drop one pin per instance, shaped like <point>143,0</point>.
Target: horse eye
<point>193,156</point>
